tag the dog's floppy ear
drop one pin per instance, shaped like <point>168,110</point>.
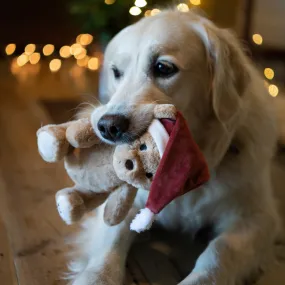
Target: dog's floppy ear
<point>228,67</point>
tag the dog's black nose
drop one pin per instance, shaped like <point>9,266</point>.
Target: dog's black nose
<point>112,127</point>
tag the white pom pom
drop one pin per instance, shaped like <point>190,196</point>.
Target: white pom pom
<point>47,145</point>
<point>143,221</point>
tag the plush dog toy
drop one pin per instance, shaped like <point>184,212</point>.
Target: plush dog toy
<point>164,160</point>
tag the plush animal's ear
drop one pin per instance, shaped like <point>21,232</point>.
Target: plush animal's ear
<point>228,66</point>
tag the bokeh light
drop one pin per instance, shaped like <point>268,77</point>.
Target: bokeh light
<point>183,7</point>
<point>55,65</point>
<point>257,39</point>
<point>195,2</point>
<point>30,48</point>
<point>154,12</point>
<point>48,49</point>
<point>135,11</point>
<point>110,2</point>
<point>83,62</point>
<point>14,66</point>
<point>22,60</point>
<point>269,73</point>
<point>273,90</point>
<point>10,49</point>
<point>82,54</point>
<point>140,3</point>
<point>85,39</point>
<point>147,13</point>
<point>35,58</point>
<point>75,49</point>
<point>93,63</point>
<point>65,51</point>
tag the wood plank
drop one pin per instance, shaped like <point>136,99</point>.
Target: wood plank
<point>36,232</point>
<point>155,265</point>
<point>7,269</point>
<point>133,267</point>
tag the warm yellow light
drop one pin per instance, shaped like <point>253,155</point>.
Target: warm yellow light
<point>14,66</point>
<point>48,49</point>
<point>135,11</point>
<point>183,7</point>
<point>85,39</point>
<point>83,62</point>
<point>65,51</point>
<point>55,65</point>
<point>22,60</point>
<point>75,49</point>
<point>140,3</point>
<point>147,13</point>
<point>35,58</point>
<point>269,73</point>
<point>273,90</point>
<point>78,38</point>
<point>82,54</point>
<point>154,12</point>
<point>195,2</point>
<point>93,63</point>
<point>76,71</point>
<point>30,48</point>
<point>257,39</point>
<point>110,2</point>
<point>10,49</point>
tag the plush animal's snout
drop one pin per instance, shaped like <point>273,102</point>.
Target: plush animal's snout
<point>112,127</point>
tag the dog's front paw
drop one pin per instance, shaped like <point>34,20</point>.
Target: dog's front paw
<point>70,207</point>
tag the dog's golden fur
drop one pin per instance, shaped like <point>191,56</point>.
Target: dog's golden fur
<point>230,114</point>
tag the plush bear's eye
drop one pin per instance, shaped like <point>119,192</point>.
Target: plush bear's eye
<point>143,147</point>
<point>149,175</point>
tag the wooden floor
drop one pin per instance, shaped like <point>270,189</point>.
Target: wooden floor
<point>32,236</point>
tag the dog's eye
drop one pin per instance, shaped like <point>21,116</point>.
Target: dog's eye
<point>164,69</point>
<point>117,73</point>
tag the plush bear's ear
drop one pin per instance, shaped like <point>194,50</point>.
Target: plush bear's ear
<point>119,204</point>
<point>80,134</point>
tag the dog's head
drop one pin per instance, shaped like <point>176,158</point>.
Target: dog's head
<point>173,57</point>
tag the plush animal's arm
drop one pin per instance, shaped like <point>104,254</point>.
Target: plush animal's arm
<point>80,134</point>
<point>165,111</point>
<point>54,141</point>
<point>119,203</point>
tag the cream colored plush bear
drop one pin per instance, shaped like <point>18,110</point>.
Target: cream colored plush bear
<point>100,171</point>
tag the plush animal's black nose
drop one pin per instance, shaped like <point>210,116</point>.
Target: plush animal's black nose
<point>112,127</point>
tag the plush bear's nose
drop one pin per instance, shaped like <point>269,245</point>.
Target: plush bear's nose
<point>112,127</point>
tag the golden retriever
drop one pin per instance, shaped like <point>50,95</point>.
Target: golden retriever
<point>183,58</point>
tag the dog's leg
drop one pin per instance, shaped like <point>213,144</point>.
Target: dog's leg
<point>234,254</point>
<point>104,251</point>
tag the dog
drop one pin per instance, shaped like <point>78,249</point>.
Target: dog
<point>183,58</point>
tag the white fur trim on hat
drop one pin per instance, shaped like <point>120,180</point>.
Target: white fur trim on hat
<point>160,135</point>
<point>143,221</point>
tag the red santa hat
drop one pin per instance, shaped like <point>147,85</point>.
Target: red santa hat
<point>182,168</point>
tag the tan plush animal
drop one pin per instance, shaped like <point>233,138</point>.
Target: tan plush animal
<point>100,171</point>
